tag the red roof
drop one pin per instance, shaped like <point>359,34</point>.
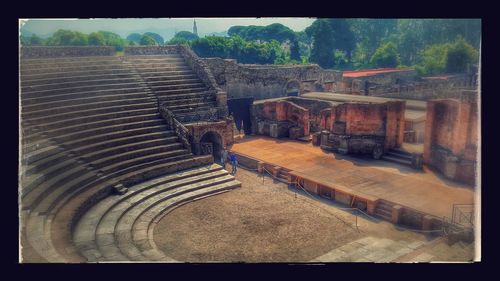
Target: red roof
<point>370,72</point>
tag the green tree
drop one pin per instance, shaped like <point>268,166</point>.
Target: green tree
<point>62,38</point>
<point>459,55</point>
<point>385,56</point>
<point>323,43</point>
<point>275,31</point>
<point>295,50</point>
<point>183,36</point>
<point>147,40</point>
<point>96,39</point>
<point>35,40</point>
<point>134,37</point>
<point>80,39</point>
<point>433,59</point>
<point>157,37</point>
<point>211,46</point>
<point>113,39</point>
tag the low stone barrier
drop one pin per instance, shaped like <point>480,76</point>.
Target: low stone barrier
<point>35,52</point>
<point>151,50</point>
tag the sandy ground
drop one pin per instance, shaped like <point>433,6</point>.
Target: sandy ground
<point>267,223</point>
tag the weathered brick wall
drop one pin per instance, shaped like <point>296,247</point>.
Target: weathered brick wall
<point>451,138</point>
<point>34,52</point>
<point>284,112</point>
<point>264,82</point>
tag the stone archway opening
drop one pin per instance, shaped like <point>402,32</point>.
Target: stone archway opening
<point>292,88</point>
<point>211,143</point>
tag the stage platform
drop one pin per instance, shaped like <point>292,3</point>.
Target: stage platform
<point>374,181</point>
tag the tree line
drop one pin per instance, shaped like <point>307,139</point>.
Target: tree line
<point>431,46</point>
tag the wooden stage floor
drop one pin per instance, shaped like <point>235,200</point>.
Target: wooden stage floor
<point>424,191</point>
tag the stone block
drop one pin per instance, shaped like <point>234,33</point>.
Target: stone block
<point>370,207</point>
<point>311,186</point>
<point>397,210</point>
<point>343,198</point>
<point>296,132</point>
<point>427,222</point>
<point>316,139</point>
<point>260,167</point>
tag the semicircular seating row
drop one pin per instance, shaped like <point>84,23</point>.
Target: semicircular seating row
<point>91,123</point>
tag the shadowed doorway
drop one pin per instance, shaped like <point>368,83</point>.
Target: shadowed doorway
<point>240,109</point>
<point>211,143</point>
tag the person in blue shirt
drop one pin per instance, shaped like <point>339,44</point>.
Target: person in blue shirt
<point>234,163</point>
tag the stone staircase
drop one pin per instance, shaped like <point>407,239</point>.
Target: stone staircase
<point>383,209</point>
<point>173,83</point>
<point>371,249</point>
<point>402,157</point>
<point>88,124</point>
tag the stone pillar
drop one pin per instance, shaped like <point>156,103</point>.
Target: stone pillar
<point>311,186</point>
<point>461,126</point>
<point>416,161</point>
<point>427,222</point>
<point>397,210</point>
<point>276,170</point>
<point>221,98</point>
<point>429,126</point>
<point>370,207</point>
<point>324,137</point>
<point>260,167</point>
<point>316,139</point>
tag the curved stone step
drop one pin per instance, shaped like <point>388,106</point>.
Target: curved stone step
<point>34,136</point>
<point>51,96</point>
<point>66,194</point>
<point>43,75</point>
<point>81,138</point>
<point>135,202</point>
<point>143,227</point>
<point>45,102</point>
<point>88,119</point>
<point>171,77</point>
<point>79,89</point>
<point>152,75</point>
<point>65,116</point>
<point>80,107</point>
<point>85,231</point>
<point>58,84</point>
<point>80,78</point>
<point>155,138</point>
<point>160,156</point>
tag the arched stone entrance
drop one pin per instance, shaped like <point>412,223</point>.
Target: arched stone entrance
<point>292,88</point>
<point>212,143</point>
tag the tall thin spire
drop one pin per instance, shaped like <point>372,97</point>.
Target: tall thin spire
<point>195,29</point>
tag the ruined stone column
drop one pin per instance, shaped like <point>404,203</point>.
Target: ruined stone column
<point>429,126</point>
<point>221,98</point>
<point>397,210</point>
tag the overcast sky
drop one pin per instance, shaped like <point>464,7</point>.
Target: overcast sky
<point>164,26</point>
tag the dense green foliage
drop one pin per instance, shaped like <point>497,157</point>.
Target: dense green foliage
<point>134,37</point>
<point>237,48</point>
<point>183,36</point>
<point>64,37</point>
<point>147,40</point>
<point>275,31</point>
<point>431,46</point>
<point>157,37</point>
<point>450,57</point>
<point>385,56</point>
